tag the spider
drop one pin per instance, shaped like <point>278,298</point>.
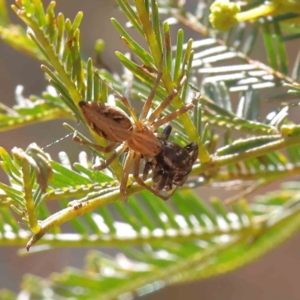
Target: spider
<point>136,137</point>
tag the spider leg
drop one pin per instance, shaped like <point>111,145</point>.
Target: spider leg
<point>127,105</point>
<point>172,115</point>
<point>125,175</point>
<point>148,103</point>
<point>147,168</point>
<point>136,171</point>
<point>166,102</point>
<point>111,158</point>
<point>106,149</point>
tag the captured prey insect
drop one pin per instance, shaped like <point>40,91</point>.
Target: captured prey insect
<point>171,166</point>
<point>137,137</point>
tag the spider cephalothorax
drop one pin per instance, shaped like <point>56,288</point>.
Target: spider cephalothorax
<point>136,137</point>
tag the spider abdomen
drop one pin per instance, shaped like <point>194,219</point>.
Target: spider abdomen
<point>109,122</point>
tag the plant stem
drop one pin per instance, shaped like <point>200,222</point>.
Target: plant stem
<point>257,12</point>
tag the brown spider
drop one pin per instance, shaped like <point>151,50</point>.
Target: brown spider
<point>136,137</point>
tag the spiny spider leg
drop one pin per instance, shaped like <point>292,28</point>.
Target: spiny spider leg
<point>148,102</point>
<point>172,115</point>
<point>125,175</point>
<point>106,149</point>
<point>112,147</point>
<point>136,171</point>
<point>175,113</point>
<point>111,158</point>
<point>156,113</point>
